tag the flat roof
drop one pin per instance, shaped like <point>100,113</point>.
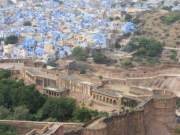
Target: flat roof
<point>54,89</point>
<point>39,73</point>
<point>84,79</point>
<point>109,92</point>
<point>8,66</point>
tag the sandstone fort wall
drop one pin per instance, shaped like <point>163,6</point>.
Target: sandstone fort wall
<point>151,118</point>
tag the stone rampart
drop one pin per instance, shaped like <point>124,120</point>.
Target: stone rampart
<point>154,117</point>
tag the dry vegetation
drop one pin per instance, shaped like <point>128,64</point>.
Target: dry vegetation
<point>151,24</point>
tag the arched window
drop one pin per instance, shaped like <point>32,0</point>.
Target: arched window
<point>111,101</point>
<point>114,102</point>
<point>107,100</point>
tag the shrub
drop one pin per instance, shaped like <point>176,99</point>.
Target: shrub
<point>4,74</point>
<point>7,130</point>
<point>128,17</point>
<point>126,63</point>
<point>78,66</point>
<point>59,108</point>
<point>12,39</point>
<point>99,58</point>
<point>82,71</point>
<point>152,61</point>
<point>167,8</point>
<point>144,47</point>
<point>171,18</point>
<point>21,113</point>
<point>144,50</point>
<point>178,103</point>
<point>177,130</point>
<point>173,55</point>
<point>4,113</point>
<point>84,114</point>
<point>79,53</point>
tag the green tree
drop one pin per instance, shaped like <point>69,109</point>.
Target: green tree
<point>80,54</point>
<point>7,130</point>
<point>59,108</point>
<point>4,74</point>
<point>172,17</point>
<point>177,130</point>
<point>178,103</point>
<point>21,113</point>
<point>4,113</point>
<point>84,114</point>
<point>128,17</point>
<point>12,39</point>
<point>99,58</point>
<point>14,93</point>
<point>173,55</point>
<point>145,47</point>
<point>5,94</point>
<point>127,63</point>
<point>32,99</point>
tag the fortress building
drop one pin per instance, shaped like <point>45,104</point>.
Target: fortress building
<point>106,95</point>
<point>151,111</point>
<point>156,116</point>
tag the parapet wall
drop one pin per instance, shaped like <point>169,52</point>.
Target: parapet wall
<point>122,124</point>
<point>14,60</point>
<point>154,117</point>
<point>126,124</point>
<point>27,62</point>
<point>164,104</point>
<point>32,127</point>
<point>95,132</point>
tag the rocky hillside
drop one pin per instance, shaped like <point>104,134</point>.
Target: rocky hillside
<point>161,25</point>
